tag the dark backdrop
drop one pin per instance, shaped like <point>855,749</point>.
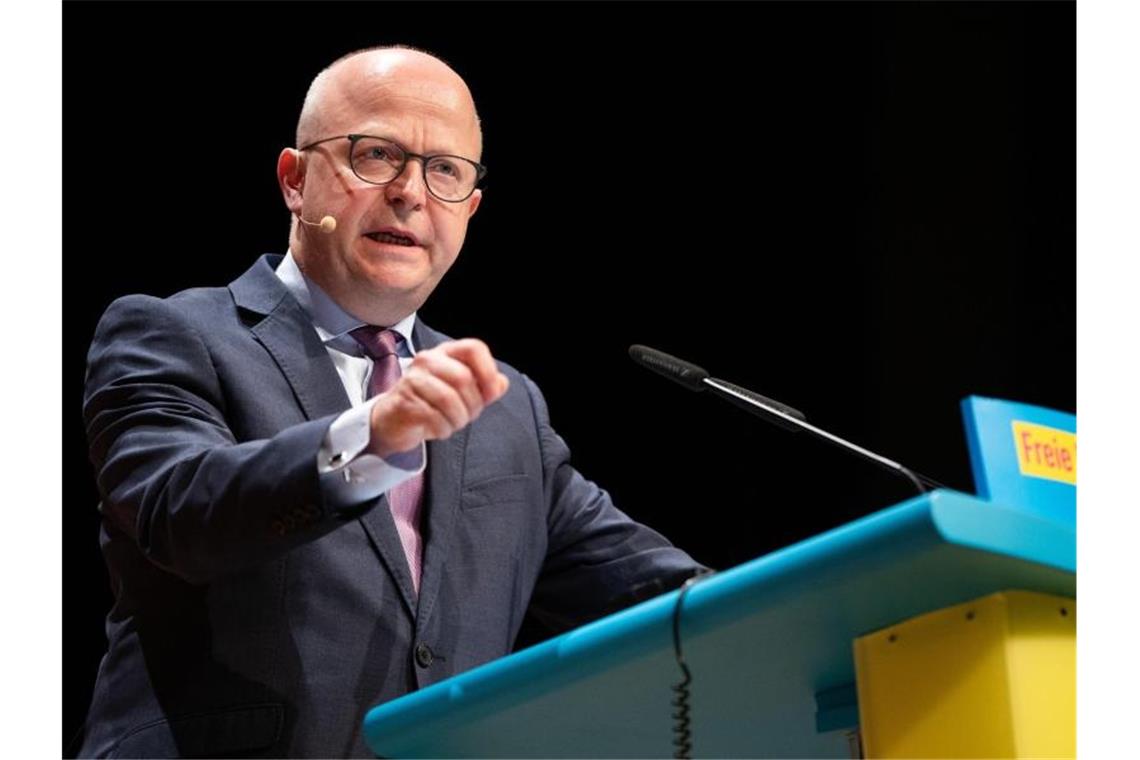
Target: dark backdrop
<point>864,210</point>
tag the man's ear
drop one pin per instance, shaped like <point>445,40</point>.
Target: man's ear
<point>291,178</point>
<point>473,202</point>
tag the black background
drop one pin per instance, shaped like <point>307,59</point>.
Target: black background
<point>866,211</point>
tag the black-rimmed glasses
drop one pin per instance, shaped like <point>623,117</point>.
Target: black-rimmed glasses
<point>378,161</point>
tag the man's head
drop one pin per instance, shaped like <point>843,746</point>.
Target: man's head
<point>417,102</point>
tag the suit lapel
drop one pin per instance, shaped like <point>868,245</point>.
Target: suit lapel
<point>381,530</point>
<point>289,336</point>
<point>444,483</point>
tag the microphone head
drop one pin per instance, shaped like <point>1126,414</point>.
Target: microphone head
<point>689,375</point>
<point>326,225</point>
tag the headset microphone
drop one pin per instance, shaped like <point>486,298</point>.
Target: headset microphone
<point>327,224</point>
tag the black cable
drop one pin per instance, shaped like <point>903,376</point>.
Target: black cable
<point>682,733</point>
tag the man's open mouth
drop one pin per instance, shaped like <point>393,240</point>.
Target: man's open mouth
<point>390,237</point>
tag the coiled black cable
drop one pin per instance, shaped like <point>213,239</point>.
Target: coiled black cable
<point>682,731</point>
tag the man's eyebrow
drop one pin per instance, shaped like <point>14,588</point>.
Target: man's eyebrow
<point>381,131</point>
<point>441,152</point>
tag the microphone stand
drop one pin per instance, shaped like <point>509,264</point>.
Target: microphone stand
<point>747,400</point>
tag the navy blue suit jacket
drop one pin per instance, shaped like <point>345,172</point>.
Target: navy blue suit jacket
<point>251,618</point>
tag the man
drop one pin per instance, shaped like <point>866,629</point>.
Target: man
<point>312,502</point>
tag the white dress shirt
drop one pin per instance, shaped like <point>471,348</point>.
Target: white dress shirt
<point>348,475</point>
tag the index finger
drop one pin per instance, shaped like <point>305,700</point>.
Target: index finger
<point>477,356</point>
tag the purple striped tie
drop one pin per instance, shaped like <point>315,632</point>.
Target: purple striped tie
<point>406,498</point>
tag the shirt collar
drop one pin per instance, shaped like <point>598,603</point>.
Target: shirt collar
<point>331,321</point>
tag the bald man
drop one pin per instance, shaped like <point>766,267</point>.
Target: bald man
<point>312,502</point>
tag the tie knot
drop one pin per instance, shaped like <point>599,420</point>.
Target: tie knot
<point>377,342</point>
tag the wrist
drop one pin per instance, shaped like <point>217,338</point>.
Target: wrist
<point>385,439</point>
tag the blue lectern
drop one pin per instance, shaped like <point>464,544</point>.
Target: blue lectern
<point>769,644</point>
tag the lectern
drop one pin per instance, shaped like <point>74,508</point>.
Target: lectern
<point>774,646</point>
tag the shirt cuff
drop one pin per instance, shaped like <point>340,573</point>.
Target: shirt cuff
<point>348,475</point>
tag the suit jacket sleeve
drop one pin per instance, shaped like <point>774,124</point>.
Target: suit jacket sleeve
<point>598,559</point>
<point>170,472</point>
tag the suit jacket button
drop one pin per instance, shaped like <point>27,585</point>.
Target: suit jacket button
<point>424,655</point>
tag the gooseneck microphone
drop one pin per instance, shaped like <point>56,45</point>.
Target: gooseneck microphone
<point>697,379</point>
<point>326,225</point>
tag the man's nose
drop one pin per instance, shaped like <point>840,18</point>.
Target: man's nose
<point>408,186</point>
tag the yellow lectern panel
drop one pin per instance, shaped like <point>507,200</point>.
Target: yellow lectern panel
<point>995,677</point>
